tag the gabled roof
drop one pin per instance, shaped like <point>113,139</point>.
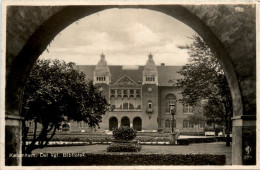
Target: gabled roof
<point>125,80</point>
<point>165,73</point>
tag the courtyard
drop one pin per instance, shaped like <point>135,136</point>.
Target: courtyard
<point>201,148</point>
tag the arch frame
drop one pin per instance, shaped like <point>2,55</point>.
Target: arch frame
<point>17,75</point>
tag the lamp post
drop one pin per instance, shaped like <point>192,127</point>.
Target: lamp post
<point>172,135</point>
<point>172,110</point>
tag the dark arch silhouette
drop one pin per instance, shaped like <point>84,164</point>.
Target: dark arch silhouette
<point>113,123</point>
<point>137,123</point>
<point>125,121</point>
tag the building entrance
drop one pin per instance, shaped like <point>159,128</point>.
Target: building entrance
<point>125,121</point>
<point>137,123</point>
<point>113,123</point>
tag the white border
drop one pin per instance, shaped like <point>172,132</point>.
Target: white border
<point>113,2</point>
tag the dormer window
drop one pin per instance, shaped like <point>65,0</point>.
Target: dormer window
<point>101,78</point>
<point>150,78</point>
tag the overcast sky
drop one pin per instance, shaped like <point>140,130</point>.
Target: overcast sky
<point>125,36</point>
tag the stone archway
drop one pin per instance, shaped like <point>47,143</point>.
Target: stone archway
<point>125,121</point>
<point>113,123</point>
<point>232,38</point>
<point>137,123</point>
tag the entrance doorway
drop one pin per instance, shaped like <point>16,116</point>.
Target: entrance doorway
<point>113,123</point>
<point>137,123</point>
<point>125,121</point>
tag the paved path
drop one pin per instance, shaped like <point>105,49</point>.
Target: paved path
<point>209,148</point>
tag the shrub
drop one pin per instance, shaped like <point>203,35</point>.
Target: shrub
<point>124,133</point>
<point>124,147</point>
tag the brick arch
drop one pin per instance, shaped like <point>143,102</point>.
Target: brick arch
<point>235,49</point>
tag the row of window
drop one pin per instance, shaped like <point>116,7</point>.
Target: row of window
<point>152,78</point>
<point>186,124</point>
<point>101,78</point>
<point>124,96</point>
<point>125,91</point>
<point>126,106</point>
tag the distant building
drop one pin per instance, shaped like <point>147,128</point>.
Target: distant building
<point>139,96</point>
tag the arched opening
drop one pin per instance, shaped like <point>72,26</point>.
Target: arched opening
<point>113,123</point>
<point>65,127</point>
<point>125,121</point>
<point>137,123</point>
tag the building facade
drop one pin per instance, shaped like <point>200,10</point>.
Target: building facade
<point>139,97</point>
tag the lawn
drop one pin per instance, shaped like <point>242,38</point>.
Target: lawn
<point>209,148</point>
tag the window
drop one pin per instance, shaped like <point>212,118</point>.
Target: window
<point>113,107</point>
<point>185,124</point>
<point>191,125</point>
<point>190,109</point>
<point>170,99</point>
<point>167,123</point>
<point>131,106</point>
<point>188,124</point>
<point>125,106</point>
<point>202,125</point>
<point>112,91</point>
<point>187,108</point>
<point>150,104</point>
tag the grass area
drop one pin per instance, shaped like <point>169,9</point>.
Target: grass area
<point>209,148</point>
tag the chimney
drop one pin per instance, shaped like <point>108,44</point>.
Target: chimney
<point>162,64</point>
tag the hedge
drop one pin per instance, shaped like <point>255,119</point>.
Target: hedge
<point>102,159</point>
<point>201,140</point>
<point>124,147</point>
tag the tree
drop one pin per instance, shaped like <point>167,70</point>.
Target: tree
<point>204,80</point>
<point>57,92</point>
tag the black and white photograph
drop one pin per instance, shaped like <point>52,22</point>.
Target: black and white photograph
<point>129,84</point>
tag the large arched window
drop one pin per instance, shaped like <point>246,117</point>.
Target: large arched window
<point>170,99</point>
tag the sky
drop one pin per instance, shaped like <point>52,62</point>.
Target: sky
<point>125,36</point>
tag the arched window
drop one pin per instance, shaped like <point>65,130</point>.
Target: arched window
<point>167,123</point>
<point>170,99</point>
<point>150,104</point>
<point>131,106</point>
<point>125,106</point>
